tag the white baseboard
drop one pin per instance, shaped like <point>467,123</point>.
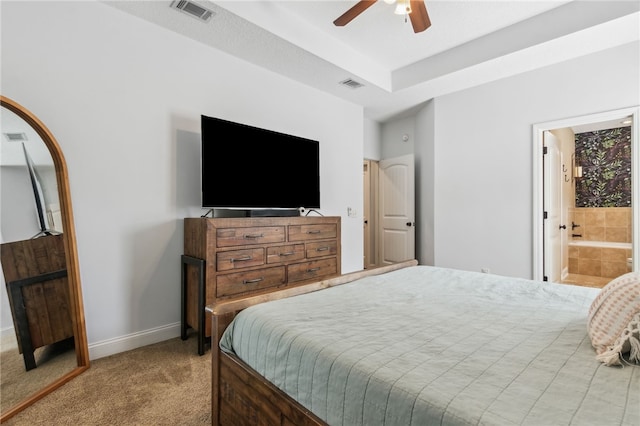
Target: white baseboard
<point>111,346</point>
<point>5,332</point>
<point>133,341</point>
<point>8,339</point>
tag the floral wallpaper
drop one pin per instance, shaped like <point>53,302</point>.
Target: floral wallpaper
<point>605,157</point>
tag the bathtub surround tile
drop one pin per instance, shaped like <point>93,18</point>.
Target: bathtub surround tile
<point>614,255</point>
<point>609,262</point>
<point>616,234</point>
<point>594,253</point>
<point>590,267</point>
<point>574,252</point>
<point>594,217</point>
<point>617,216</point>
<point>602,223</point>
<point>593,233</point>
<point>573,265</point>
<point>598,265</point>
<point>613,269</point>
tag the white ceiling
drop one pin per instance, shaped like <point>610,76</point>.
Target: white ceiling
<point>470,42</point>
<point>386,40</point>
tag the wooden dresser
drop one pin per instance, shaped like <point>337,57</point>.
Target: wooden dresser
<point>226,258</point>
<point>35,273</point>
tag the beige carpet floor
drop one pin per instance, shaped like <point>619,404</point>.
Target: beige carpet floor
<point>17,384</point>
<point>166,383</point>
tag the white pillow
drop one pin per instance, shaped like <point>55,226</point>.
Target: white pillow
<point>614,321</point>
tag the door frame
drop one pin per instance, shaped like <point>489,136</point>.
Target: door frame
<point>370,213</point>
<point>538,179</point>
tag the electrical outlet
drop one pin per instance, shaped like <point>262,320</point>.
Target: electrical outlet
<point>351,212</point>
<point>485,270</point>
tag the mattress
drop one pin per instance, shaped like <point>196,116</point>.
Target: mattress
<point>426,345</point>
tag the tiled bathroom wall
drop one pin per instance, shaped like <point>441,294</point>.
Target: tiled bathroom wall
<point>610,224</point>
<point>598,261</point>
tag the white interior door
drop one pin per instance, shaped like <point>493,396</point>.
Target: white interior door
<point>397,209</point>
<point>552,208</point>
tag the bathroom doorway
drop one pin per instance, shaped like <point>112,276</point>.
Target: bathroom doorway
<point>596,236</point>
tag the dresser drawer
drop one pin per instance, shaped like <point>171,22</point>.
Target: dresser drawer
<point>322,248</point>
<point>288,253</point>
<point>250,281</point>
<point>235,259</point>
<point>312,232</point>
<point>228,237</point>
<point>313,269</point>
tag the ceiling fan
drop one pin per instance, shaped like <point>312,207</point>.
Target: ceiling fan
<point>416,10</point>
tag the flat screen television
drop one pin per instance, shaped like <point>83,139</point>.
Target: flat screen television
<point>246,167</point>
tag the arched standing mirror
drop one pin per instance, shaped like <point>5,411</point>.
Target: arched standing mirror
<point>44,341</point>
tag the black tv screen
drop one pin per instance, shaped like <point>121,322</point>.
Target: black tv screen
<point>248,167</point>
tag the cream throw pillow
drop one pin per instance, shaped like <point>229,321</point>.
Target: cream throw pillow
<point>614,321</point>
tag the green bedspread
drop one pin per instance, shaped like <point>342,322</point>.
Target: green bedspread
<point>425,345</point>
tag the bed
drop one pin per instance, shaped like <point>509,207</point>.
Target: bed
<point>418,345</point>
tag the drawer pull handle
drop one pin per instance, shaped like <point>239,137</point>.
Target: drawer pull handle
<point>313,269</point>
<point>256,280</point>
<point>289,253</point>
<point>240,259</point>
<point>253,236</point>
<point>313,232</point>
<point>322,248</point>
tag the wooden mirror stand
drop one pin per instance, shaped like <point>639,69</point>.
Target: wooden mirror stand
<point>76,329</point>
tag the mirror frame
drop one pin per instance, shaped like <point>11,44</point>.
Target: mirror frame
<point>73,268</point>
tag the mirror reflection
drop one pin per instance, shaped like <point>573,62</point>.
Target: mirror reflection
<point>37,313</point>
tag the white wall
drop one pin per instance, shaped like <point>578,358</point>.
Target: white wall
<point>392,134</point>
<point>123,98</point>
<point>372,140</point>
<point>474,148</point>
<point>482,204</point>
<point>425,156</point>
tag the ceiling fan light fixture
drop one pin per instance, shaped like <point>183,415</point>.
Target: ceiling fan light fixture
<point>414,10</point>
<point>403,7</point>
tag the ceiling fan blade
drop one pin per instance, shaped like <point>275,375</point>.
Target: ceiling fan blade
<point>350,14</point>
<point>419,16</point>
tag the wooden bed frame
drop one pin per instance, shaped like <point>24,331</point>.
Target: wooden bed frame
<point>241,396</point>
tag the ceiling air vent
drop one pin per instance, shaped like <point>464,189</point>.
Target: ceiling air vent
<point>16,137</point>
<point>192,9</point>
<point>351,83</point>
